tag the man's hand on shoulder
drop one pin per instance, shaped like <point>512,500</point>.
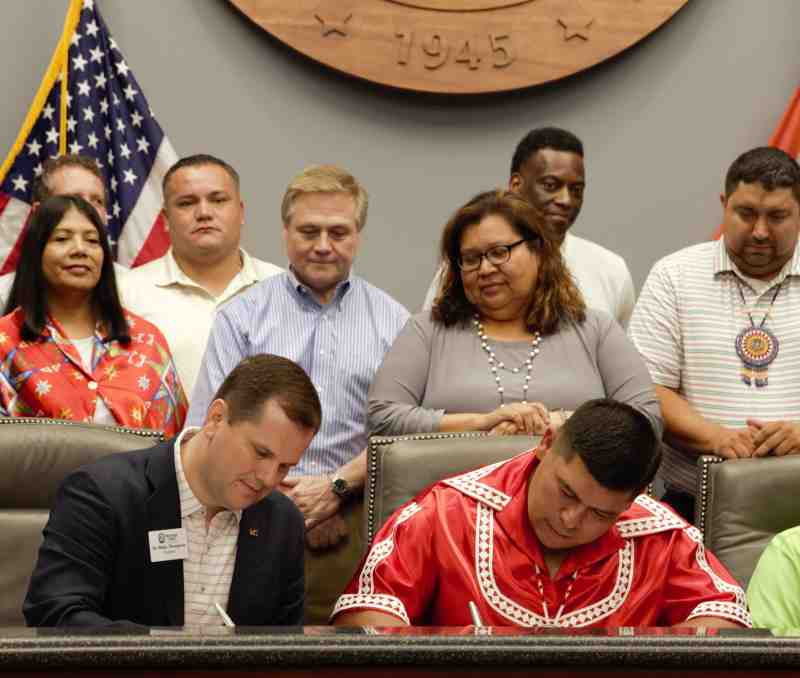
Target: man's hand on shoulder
<point>774,437</point>
<point>313,495</point>
<point>732,443</point>
<point>327,534</point>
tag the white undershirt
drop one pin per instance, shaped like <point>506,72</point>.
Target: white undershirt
<point>85,348</point>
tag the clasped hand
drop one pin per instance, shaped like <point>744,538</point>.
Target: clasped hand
<point>314,497</point>
<point>517,418</point>
<point>774,437</point>
<point>758,439</point>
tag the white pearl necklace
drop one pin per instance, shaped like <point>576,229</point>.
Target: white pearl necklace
<point>495,365</point>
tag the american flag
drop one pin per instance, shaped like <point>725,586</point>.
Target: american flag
<point>90,103</point>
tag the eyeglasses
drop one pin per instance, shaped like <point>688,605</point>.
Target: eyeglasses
<point>499,254</point>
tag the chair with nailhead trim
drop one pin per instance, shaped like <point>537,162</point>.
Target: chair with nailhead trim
<point>399,468</point>
<point>35,456</point>
<point>741,505</point>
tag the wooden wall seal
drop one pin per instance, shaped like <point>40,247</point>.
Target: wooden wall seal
<point>460,46</point>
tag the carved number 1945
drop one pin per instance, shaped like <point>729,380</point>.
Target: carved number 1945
<point>436,50</point>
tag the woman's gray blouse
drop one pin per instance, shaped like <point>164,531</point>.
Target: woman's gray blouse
<point>432,370</point>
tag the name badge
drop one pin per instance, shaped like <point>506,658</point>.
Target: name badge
<point>168,545</point>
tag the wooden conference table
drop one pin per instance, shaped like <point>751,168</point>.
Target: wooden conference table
<point>325,651</point>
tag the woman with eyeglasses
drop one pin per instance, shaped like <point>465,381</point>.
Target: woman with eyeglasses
<point>68,349</point>
<point>509,346</point>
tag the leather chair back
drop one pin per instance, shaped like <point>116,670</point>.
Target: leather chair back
<point>35,456</point>
<point>741,505</point>
<point>399,468</point>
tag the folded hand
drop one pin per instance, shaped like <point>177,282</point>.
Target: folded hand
<point>774,437</point>
<point>313,495</point>
<point>522,418</point>
<point>733,443</point>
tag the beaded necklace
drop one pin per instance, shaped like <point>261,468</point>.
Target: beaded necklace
<point>495,365</point>
<point>756,346</point>
<point>554,621</point>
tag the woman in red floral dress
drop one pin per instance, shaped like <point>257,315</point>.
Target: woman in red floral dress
<point>68,350</point>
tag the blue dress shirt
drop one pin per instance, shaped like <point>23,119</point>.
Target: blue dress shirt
<point>340,345</point>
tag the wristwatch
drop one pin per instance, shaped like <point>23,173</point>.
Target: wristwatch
<point>341,489</point>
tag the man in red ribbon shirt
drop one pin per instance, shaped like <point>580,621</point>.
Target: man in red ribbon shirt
<point>554,537</point>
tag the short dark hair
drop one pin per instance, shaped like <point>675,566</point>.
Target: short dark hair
<point>29,290</point>
<point>616,443</point>
<point>41,188</point>
<point>557,297</point>
<point>534,141</point>
<point>198,160</point>
<point>770,167</point>
<point>264,377</point>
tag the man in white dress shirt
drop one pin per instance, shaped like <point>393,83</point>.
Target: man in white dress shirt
<point>205,266</point>
<point>547,169</point>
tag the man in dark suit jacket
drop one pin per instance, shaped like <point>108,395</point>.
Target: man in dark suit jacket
<point>100,562</point>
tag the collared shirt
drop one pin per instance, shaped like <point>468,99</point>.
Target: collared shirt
<point>470,538</point>
<point>208,571</point>
<point>340,346</point>
<point>601,275</point>
<point>47,378</point>
<point>162,293</point>
<point>685,326</point>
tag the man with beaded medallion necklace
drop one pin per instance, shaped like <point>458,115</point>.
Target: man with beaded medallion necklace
<point>718,325</point>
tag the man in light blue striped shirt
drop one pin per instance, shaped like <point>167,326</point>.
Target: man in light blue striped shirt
<point>335,325</point>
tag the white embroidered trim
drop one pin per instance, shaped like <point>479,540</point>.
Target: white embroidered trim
<point>741,600</point>
<point>731,611</point>
<point>664,519</point>
<point>660,520</point>
<point>366,596</point>
<point>375,601</point>
<point>468,484</point>
<point>381,550</point>
<point>507,608</point>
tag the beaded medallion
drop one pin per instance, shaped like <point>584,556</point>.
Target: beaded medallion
<point>756,347</point>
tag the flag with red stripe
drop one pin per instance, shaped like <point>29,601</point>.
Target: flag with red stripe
<point>786,135</point>
<point>90,103</point>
